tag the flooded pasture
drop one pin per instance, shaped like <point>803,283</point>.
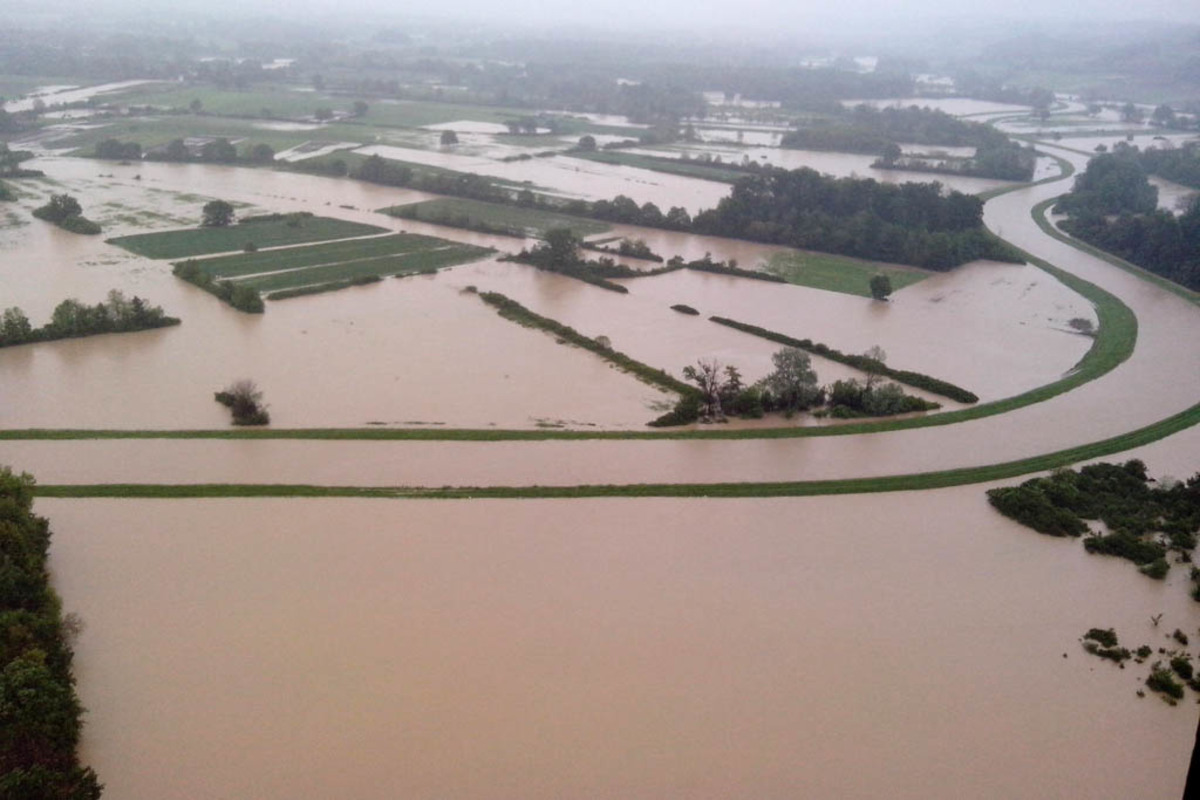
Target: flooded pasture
<point>622,648</point>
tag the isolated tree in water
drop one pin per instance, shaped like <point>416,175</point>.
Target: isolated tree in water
<point>881,287</point>
<point>449,137</point>
<point>217,214</point>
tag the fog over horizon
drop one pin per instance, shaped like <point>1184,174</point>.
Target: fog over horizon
<point>851,17</point>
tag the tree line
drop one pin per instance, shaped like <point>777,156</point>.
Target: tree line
<point>1114,207</point>
<point>40,714</point>
<point>72,319</point>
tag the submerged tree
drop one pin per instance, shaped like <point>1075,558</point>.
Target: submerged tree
<point>217,214</point>
<point>793,384</point>
<point>881,286</point>
<point>244,399</point>
<point>449,138</point>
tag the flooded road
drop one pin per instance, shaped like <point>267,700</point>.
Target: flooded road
<point>623,649</point>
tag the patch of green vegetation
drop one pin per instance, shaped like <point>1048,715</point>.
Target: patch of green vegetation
<point>494,218</point>
<point>401,264</point>
<point>838,273</point>
<point>321,288</point>
<point>315,255</point>
<point>671,166</point>
<point>201,241</point>
<point>1039,216</point>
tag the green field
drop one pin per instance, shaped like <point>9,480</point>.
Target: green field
<point>837,273</point>
<point>387,265</point>
<point>201,241</point>
<point>316,255</point>
<point>671,166</point>
<point>534,222</point>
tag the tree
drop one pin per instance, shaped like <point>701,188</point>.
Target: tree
<point>217,214</point>
<point>323,114</point>
<point>562,245</point>
<point>262,153</point>
<point>244,399</point>
<point>449,138</point>
<point>14,326</point>
<point>59,208</point>
<point>891,153</point>
<point>177,151</point>
<point>876,357</point>
<point>219,151</point>
<point>1164,116</point>
<point>1131,113</point>
<point>361,108</point>
<point>707,376</point>
<point>196,106</point>
<point>793,384</point>
<point>587,143</point>
<point>881,286</point>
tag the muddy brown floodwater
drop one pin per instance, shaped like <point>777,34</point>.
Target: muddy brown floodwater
<point>904,645</point>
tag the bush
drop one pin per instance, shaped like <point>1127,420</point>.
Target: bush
<point>1104,636</point>
<point>1156,569</point>
<point>1161,680</point>
<point>1182,666</point>
<point>244,400</point>
<point>682,309</point>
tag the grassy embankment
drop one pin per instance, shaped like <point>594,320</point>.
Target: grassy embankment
<point>1039,215</point>
<point>890,483</point>
<point>477,215</point>
<point>839,273</point>
<point>201,241</point>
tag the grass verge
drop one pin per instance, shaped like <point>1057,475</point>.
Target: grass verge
<point>1048,228</point>
<point>889,483</point>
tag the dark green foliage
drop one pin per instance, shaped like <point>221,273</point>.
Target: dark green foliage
<point>1156,569</point>
<point>118,151</point>
<point>908,378</point>
<point>1120,495</point>
<point>849,399</point>
<point>216,214</point>
<point>1104,636</point>
<point>1180,637</point>
<point>244,400</point>
<point>1156,240</point>
<point>39,711</point>
<point>630,248</point>
<point>1182,665</point>
<point>1032,508</point>
<point>1161,680</point>
<point>65,212</point>
<point>881,287</point>
<point>240,297</point>
<point>685,412</point>
<point>706,264</point>
<point>1144,651</point>
<point>685,309</point>
<point>911,223</point>
<point>270,230</point>
<point>448,138</point>
<point>72,319</point>
<point>1112,183</point>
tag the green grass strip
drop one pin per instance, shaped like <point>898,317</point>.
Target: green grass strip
<point>316,255</point>
<point>411,262</point>
<point>199,241</point>
<point>1050,229</point>
<point>890,483</point>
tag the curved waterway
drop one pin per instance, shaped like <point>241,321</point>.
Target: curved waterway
<point>906,645</point>
<point>1158,380</point>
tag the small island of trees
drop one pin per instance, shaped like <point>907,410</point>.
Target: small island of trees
<point>65,212</point>
<point>73,319</point>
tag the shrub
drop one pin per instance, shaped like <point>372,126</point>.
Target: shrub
<point>1182,666</point>
<point>1104,636</point>
<point>1156,569</point>
<point>244,400</point>
<point>682,309</point>
<point>1161,680</point>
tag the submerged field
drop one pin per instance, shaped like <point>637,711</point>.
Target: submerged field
<point>201,241</point>
<point>837,273</point>
<point>477,215</point>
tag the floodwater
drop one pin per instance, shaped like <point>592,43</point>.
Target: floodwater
<point>839,165</point>
<point>574,177</point>
<point>58,95</point>
<point>411,350</point>
<point>608,648</point>
<point>958,106</point>
<point>1172,196</point>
